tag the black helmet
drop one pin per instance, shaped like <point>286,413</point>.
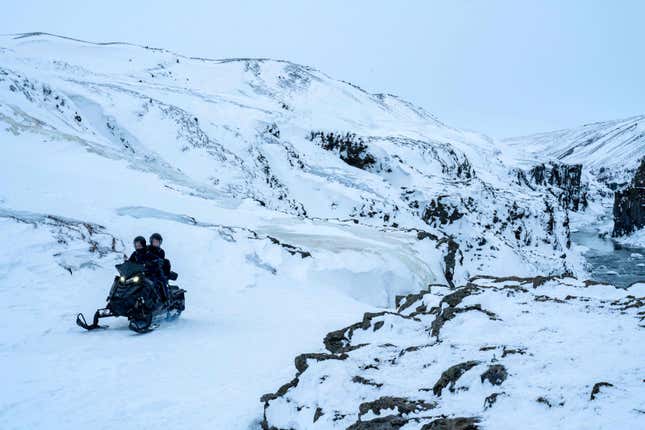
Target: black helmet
<point>140,239</point>
<point>156,236</point>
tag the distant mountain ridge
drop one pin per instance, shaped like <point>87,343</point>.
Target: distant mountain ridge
<point>615,144</point>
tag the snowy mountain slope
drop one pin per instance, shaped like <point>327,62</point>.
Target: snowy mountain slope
<point>616,145</point>
<point>289,202</point>
<point>285,136</point>
<point>492,354</point>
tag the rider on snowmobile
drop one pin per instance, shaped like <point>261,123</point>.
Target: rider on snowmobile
<point>138,298</point>
<point>140,254</point>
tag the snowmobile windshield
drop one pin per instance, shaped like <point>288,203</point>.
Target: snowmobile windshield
<point>128,269</point>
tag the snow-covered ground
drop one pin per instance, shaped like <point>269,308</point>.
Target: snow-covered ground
<point>503,353</point>
<point>290,203</point>
<point>251,307</point>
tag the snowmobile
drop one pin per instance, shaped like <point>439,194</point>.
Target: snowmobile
<point>136,296</point>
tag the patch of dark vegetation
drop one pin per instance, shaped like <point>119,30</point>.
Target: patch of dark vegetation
<point>439,213</point>
<point>350,148</point>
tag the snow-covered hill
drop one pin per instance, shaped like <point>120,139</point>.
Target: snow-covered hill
<point>613,148</point>
<point>290,202</point>
<point>272,135</point>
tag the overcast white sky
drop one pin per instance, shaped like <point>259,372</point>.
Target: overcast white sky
<point>503,67</point>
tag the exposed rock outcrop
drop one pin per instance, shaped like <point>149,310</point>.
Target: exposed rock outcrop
<point>629,205</point>
<point>350,148</point>
<point>438,213</point>
<point>564,181</point>
<point>452,424</point>
<point>399,376</point>
<point>450,376</point>
<point>400,404</point>
<point>495,374</point>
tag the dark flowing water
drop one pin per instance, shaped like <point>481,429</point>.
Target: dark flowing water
<point>610,261</point>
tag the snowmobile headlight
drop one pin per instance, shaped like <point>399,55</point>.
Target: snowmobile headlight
<point>122,279</point>
<point>135,279</point>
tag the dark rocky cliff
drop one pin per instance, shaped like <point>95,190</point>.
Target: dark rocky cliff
<point>629,205</point>
<point>564,181</point>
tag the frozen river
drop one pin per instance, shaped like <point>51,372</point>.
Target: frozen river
<point>611,261</point>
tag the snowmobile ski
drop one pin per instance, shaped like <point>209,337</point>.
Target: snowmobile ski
<point>81,322</point>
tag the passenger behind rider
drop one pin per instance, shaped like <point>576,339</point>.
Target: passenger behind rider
<point>158,259</point>
<point>157,251</point>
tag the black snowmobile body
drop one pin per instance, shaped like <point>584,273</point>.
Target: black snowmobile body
<point>136,296</point>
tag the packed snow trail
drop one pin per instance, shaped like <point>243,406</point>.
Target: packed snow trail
<point>235,340</point>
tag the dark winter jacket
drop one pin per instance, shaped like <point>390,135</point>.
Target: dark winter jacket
<point>157,252</point>
<point>140,256</point>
